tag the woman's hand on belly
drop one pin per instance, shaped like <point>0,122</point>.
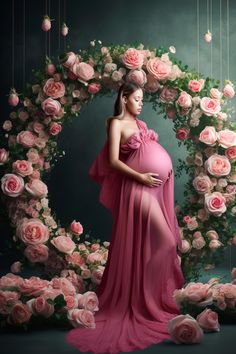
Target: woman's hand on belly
<point>150,179</point>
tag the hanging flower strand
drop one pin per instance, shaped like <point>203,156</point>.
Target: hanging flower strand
<point>46,24</point>
<point>64,29</point>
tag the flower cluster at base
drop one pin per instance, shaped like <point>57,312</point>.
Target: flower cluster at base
<point>24,301</point>
<point>197,107</point>
<point>214,297</point>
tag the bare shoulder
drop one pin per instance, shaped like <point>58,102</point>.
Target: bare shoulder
<point>115,124</point>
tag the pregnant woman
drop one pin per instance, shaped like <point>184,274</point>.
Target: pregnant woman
<point>142,271</point>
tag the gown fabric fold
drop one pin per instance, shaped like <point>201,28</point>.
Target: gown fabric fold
<point>143,269</point>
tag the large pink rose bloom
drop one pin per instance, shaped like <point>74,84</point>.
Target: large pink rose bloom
<point>133,58</point>
<point>54,89</point>
<point>22,167</point>
<point>83,70</point>
<point>26,138</point>
<point>88,301</point>
<point>202,183</point>
<point>36,253</point>
<point>32,231</point>
<point>210,106</point>
<point>51,107</point>
<point>208,136</point>
<point>230,153</point>
<point>12,185</point>
<point>185,329</point>
<point>196,85</point>
<point>184,100</point>
<point>64,244</point>
<point>37,188</point>
<point>138,76</point>
<point>20,314</point>
<point>215,203</point>
<point>208,321</point>
<point>227,138</point>
<point>218,165</point>
<point>81,317</point>
<point>168,94</point>
<point>158,68</point>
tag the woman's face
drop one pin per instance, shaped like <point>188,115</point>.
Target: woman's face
<point>134,102</point>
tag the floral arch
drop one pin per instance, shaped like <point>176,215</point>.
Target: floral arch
<point>199,111</point>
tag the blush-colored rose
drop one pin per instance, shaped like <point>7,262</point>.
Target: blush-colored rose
<point>16,267</point>
<point>214,244</point>
<point>51,107</point>
<point>158,68</point>
<point>184,100</point>
<point>227,138</point>
<point>198,243</point>
<point>202,183</point>
<point>20,314</point>
<point>228,91</point>
<point>26,138</point>
<point>88,301</point>
<point>34,286</point>
<point>64,284</point>
<point>182,133</point>
<point>196,292</point>
<point>75,258</point>
<point>94,257</point>
<point>94,87</point>
<point>210,106</point>
<point>133,58</point>
<point>76,228</point>
<point>4,156</point>
<point>55,128</point>
<point>7,125</point>
<point>230,153</point>
<point>185,329</point>
<point>97,274</point>
<point>168,94</point>
<point>22,167</point>
<point>196,85</point>
<point>64,244</point>
<point>69,59</point>
<point>215,203</point>
<point>152,84</point>
<point>212,235</point>
<point>185,246</point>
<point>36,253</point>
<point>32,231</point>
<point>208,321</point>
<point>12,185</point>
<point>192,223</point>
<point>54,89</point>
<point>215,93</point>
<point>37,188</point>
<point>138,76</point>
<point>218,165</point>
<point>83,70</point>
<point>208,136</point>
<point>40,306</point>
<point>81,317</point>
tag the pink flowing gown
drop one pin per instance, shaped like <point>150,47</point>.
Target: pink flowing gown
<point>142,270</point>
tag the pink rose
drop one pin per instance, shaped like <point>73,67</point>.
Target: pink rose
<point>50,69</point>
<point>64,244</point>
<point>88,301</point>
<point>36,253</point>
<point>185,246</point>
<point>16,267</point>
<point>215,203</point>
<point>208,136</point>
<point>76,228</point>
<point>196,85</point>
<point>198,243</point>
<point>215,93</point>
<point>218,165</point>
<point>212,235</point>
<point>82,317</point>
<point>230,153</point>
<point>133,58</point>
<point>71,302</point>
<point>10,280</point>
<point>184,100</point>
<point>208,321</point>
<point>20,314</point>
<point>40,306</point>
<point>7,125</point>
<point>94,257</point>
<point>197,292</point>
<point>64,284</point>
<point>202,183</point>
<point>69,60</point>
<point>214,244</point>
<point>76,259</point>
<point>182,133</point>
<point>22,167</point>
<point>97,274</point>
<point>227,138</point>
<point>158,68</point>
<point>4,156</point>
<point>32,231</point>
<point>94,87</point>
<point>55,128</point>
<point>152,84</point>
<point>228,91</point>
<point>33,155</point>
<point>192,223</point>
<point>210,106</point>
<point>54,89</point>
<point>185,329</point>
<point>138,76</point>
<point>51,107</point>
<point>171,112</point>
<point>34,286</point>
<point>168,94</point>
<point>36,188</point>
<point>26,138</point>
<point>83,70</point>
<point>12,185</point>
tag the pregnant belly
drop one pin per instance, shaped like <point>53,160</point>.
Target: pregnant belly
<point>151,157</point>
